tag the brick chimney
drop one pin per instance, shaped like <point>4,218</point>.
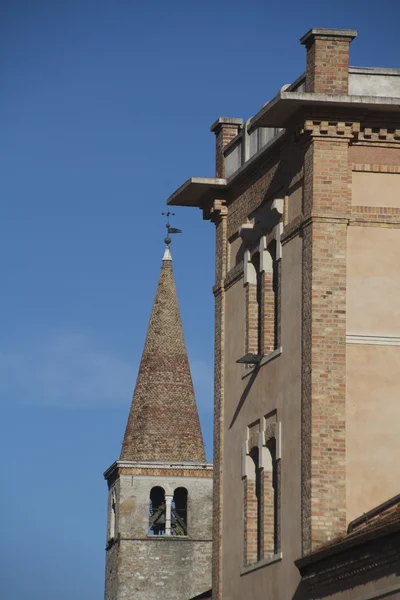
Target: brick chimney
<point>225,130</point>
<point>328,60</point>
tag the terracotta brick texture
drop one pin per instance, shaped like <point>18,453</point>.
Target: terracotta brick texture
<point>326,212</point>
<point>252,551</point>
<point>224,133</point>
<point>252,319</point>
<point>269,313</point>
<point>268,513</point>
<point>220,220</point>
<point>163,422</point>
<point>327,64</point>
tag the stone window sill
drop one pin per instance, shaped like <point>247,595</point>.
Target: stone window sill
<point>265,359</point>
<point>261,563</point>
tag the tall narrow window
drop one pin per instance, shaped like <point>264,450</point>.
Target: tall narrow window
<point>259,317</point>
<point>270,499</point>
<point>157,511</point>
<point>254,316</point>
<point>113,516</point>
<point>253,510</point>
<point>270,299</point>
<point>276,283</point>
<point>179,512</point>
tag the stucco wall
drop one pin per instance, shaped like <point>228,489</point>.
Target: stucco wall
<point>373,281</point>
<point>275,387</point>
<point>376,189</point>
<point>373,417</point>
<point>373,366</point>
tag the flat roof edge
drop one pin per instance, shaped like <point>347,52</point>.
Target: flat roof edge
<point>294,100</point>
<point>373,71</point>
<point>195,187</point>
<point>321,32</point>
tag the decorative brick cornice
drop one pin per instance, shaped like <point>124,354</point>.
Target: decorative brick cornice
<point>215,211</point>
<point>344,130</point>
<point>350,130</point>
<point>386,216</point>
<point>389,136</point>
<point>374,168</point>
<point>157,469</point>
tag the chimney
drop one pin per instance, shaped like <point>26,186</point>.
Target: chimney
<point>225,130</point>
<point>328,60</point>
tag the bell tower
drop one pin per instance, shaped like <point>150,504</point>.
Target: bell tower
<point>160,490</point>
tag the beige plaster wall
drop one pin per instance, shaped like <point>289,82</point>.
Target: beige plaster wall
<point>372,435</point>
<point>376,189</point>
<point>373,385</point>
<point>373,281</point>
<point>277,385</point>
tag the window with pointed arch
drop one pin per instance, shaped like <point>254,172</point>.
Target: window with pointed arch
<point>262,298</point>
<point>270,482</point>
<point>261,478</point>
<point>157,511</point>
<point>179,506</point>
<point>252,509</point>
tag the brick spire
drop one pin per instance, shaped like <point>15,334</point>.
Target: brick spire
<point>163,423</point>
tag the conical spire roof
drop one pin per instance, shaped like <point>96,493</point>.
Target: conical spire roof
<point>163,422</point>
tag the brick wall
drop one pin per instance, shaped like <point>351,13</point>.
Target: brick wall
<point>220,220</point>
<point>225,130</point>
<point>326,210</point>
<point>250,511</point>
<point>327,69</point>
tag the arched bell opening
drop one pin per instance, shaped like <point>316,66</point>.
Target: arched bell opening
<point>179,512</point>
<point>157,511</point>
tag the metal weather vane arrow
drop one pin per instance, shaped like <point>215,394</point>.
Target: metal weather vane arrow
<point>170,230</point>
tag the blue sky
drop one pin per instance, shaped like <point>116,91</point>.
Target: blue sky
<point>105,110</point>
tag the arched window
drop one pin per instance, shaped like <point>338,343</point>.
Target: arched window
<point>271,500</point>
<point>270,298</point>
<point>261,479</point>
<point>258,301</point>
<point>157,511</point>
<point>253,302</point>
<point>253,516</point>
<point>179,512</point>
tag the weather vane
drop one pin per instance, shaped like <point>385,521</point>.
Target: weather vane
<point>170,229</point>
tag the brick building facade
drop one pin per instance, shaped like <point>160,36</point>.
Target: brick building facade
<point>160,490</point>
<point>306,205</point>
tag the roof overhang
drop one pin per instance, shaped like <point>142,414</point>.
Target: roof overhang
<point>157,465</point>
<point>283,107</point>
<point>198,191</point>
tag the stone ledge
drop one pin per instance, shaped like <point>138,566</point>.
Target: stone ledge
<point>164,538</point>
<point>128,467</point>
<point>265,359</point>
<point>321,32</point>
<point>262,563</point>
